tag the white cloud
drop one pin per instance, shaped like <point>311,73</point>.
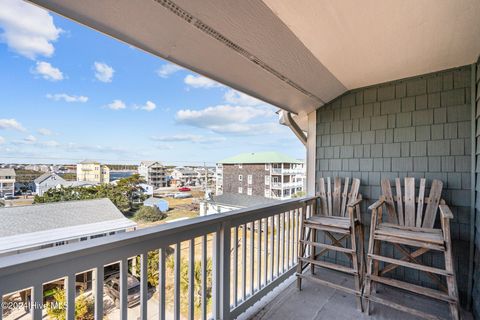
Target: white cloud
<point>2,140</point>
<point>148,106</point>
<point>66,97</point>
<point>50,143</point>
<point>116,105</point>
<point>238,98</point>
<point>188,138</point>
<point>11,124</point>
<point>47,71</point>
<point>103,72</point>
<point>45,132</point>
<point>30,139</point>
<point>167,70</point>
<point>27,29</point>
<point>220,115</point>
<point>200,82</point>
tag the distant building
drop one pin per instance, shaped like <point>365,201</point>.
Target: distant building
<point>184,177</point>
<point>39,226</point>
<point>7,181</point>
<point>267,174</point>
<point>154,173</point>
<point>47,181</point>
<point>93,171</point>
<point>232,201</point>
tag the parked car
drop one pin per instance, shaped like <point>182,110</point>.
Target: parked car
<point>112,289</point>
<point>8,196</point>
<point>184,189</point>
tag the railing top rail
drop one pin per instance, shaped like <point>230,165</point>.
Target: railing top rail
<point>148,238</point>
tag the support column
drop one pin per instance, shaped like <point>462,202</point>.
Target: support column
<point>311,152</point>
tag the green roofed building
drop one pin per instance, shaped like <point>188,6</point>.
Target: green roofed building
<point>268,174</point>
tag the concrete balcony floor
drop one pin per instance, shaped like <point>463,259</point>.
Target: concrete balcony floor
<point>315,302</point>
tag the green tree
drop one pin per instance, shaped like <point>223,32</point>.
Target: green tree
<point>149,214</point>
<point>84,307</point>
<point>123,194</point>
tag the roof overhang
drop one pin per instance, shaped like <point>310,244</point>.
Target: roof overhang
<point>296,55</point>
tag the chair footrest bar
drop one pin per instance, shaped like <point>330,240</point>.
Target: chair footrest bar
<point>400,307</point>
<point>413,287</point>
<point>326,228</point>
<point>410,265</point>
<point>330,284</point>
<point>329,265</point>
<point>327,246</point>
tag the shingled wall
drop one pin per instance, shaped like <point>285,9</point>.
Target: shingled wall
<point>417,127</point>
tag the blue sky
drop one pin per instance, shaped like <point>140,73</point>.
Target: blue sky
<point>70,93</point>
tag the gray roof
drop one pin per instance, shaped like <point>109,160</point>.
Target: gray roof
<point>153,201</point>
<point>242,200</point>
<point>47,175</point>
<point>149,163</point>
<point>48,216</point>
<point>7,172</point>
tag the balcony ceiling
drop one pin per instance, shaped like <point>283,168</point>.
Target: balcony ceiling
<point>298,54</point>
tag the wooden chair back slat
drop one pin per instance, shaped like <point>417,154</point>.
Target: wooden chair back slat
<point>353,196</point>
<point>335,203</point>
<point>329,196</point>
<point>323,197</point>
<point>390,206</point>
<point>421,195</point>
<point>410,202</point>
<point>432,205</point>
<point>337,189</point>
<point>343,210</point>
<point>401,219</point>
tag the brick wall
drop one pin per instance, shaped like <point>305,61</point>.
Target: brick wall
<point>416,127</point>
<point>231,182</point>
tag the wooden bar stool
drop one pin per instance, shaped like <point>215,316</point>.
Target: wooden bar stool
<point>339,218</point>
<point>411,225</point>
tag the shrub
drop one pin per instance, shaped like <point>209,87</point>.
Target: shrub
<point>84,306</point>
<point>149,214</point>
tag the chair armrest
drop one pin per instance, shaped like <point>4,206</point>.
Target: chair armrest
<point>445,212</point>
<point>377,204</point>
<point>355,203</point>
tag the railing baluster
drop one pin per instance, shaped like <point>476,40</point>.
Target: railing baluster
<point>282,242</point>
<point>161,283</point>
<point>191,280</point>
<point>289,228</point>
<point>252,257</point>
<point>244,262</point>
<point>99,293</point>
<point>259,254</point>
<point>272,247</point>
<point>216,281</point>
<point>176,294</point>
<point>1,302</point>
<point>295,233</point>
<point>277,240</point>
<point>235,266</point>
<point>204,277</point>
<point>265,252</point>
<point>70,293</point>
<point>143,285</point>
<point>123,289</point>
<point>36,302</point>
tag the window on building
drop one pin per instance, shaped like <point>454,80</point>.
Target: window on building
<point>249,179</point>
<point>240,177</point>
<point>267,180</point>
<point>267,166</point>
<point>249,191</point>
<point>240,166</point>
<point>240,190</point>
<point>267,193</point>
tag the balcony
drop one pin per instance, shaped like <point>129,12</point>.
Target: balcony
<point>283,171</point>
<point>286,185</point>
<point>264,257</point>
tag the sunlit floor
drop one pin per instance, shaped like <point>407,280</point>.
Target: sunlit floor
<point>319,302</point>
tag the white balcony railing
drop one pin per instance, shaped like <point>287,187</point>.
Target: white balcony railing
<point>251,251</point>
<point>287,171</point>
<point>284,185</point>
